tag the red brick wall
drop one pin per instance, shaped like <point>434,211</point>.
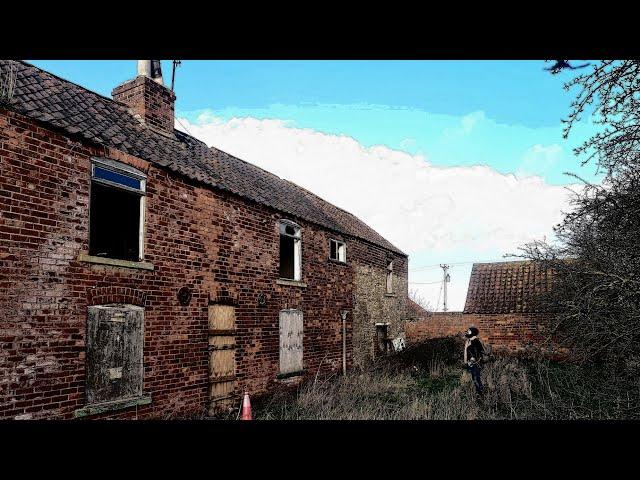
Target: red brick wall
<point>152,102</point>
<point>219,245</point>
<point>514,332</point>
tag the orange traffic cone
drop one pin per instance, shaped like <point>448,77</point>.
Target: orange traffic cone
<point>246,407</point>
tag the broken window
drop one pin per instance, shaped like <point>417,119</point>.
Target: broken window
<point>290,251</point>
<point>389,276</point>
<point>382,339</point>
<point>337,250</point>
<point>114,352</point>
<point>116,211</point>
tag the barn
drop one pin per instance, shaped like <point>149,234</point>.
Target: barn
<point>511,303</point>
<point>144,274</point>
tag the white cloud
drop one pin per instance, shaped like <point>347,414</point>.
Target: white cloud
<point>415,205</point>
<point>466,126</point>
<point>540,158</point>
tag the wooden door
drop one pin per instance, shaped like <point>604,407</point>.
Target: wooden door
<point>291,342</point>
<point>222,357</point>
<point>115,336</point>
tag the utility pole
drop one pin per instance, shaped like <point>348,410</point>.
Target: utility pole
<point>445,279</point>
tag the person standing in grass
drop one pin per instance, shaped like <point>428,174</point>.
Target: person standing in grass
<point>473,351</point>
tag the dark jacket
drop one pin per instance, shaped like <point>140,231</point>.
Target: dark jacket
<point>475,350</point>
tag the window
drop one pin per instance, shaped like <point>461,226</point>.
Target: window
<point>290,251</point>
<point>116,211</point>
<point>382,339</point>
<point>115,338</point>
<point>389,276</point>
<point>337,250</point>
<point>291,335</point>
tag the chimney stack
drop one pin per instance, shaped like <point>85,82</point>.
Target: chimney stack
<point>147,98</point>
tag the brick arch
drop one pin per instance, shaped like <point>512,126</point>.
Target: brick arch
<point>113,294</point>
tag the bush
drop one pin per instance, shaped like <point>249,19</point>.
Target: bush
<point>428,382</point>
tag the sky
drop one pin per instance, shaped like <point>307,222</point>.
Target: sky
<point>452,161</point>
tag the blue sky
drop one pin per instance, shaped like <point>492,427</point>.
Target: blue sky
<point>450,115</point>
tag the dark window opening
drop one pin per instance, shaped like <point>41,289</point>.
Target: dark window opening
<point>337,251</point>
<point>290,251</point>
<point>286,257</point>
<point>115,223</point>
<point>382,339</point>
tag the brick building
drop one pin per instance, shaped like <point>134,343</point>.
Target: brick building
<point>507,301</point>
<point>146,275</point>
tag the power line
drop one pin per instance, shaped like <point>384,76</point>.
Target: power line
<point>425,283</point>
<point>186,129</point>
<point>429,267</point>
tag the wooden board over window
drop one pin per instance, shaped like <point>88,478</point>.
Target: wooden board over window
<point>291,341</point>
<point>115,336</point>
<point>222,357</point>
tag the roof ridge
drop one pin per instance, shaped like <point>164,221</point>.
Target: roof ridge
<point>286,180</point>
<point>109,99</point>
<point>74,109</point>
<point>247,162</point>
<point>47,72</point>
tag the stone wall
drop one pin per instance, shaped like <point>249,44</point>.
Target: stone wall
<point>371,302</point>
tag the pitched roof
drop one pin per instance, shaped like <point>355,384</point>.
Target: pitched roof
<point>77,111</point>
<point>416,310</point>
<point>509,287</point>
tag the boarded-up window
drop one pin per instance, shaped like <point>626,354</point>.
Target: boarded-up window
<point>389,277</point>
<point>290,341</point>
<point>115,335</point>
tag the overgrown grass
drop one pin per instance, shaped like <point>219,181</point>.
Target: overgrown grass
<point>429,383</point>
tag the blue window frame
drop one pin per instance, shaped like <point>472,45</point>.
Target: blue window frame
<point>115,174</point>
<point>115,177</point>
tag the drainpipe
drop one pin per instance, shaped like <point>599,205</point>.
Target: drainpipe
<point>344,313</point>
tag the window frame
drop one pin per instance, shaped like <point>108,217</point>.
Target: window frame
<point>297,248</point>
<point>338,243</point>
<point>127,171</point>
<point>389,278</point>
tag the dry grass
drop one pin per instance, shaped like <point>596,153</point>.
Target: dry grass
<point>429,384</point>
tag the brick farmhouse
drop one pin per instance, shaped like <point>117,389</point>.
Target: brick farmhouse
<point>146,275</point>
<point>507,301</point>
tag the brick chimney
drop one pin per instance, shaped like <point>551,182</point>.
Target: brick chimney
<point>147,98</point>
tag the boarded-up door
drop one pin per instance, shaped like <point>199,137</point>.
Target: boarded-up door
<point>290,341</point>
<point>222,357</point>
<point>115,335</point>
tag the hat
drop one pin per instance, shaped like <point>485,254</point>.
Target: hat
<point>471,332</point>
